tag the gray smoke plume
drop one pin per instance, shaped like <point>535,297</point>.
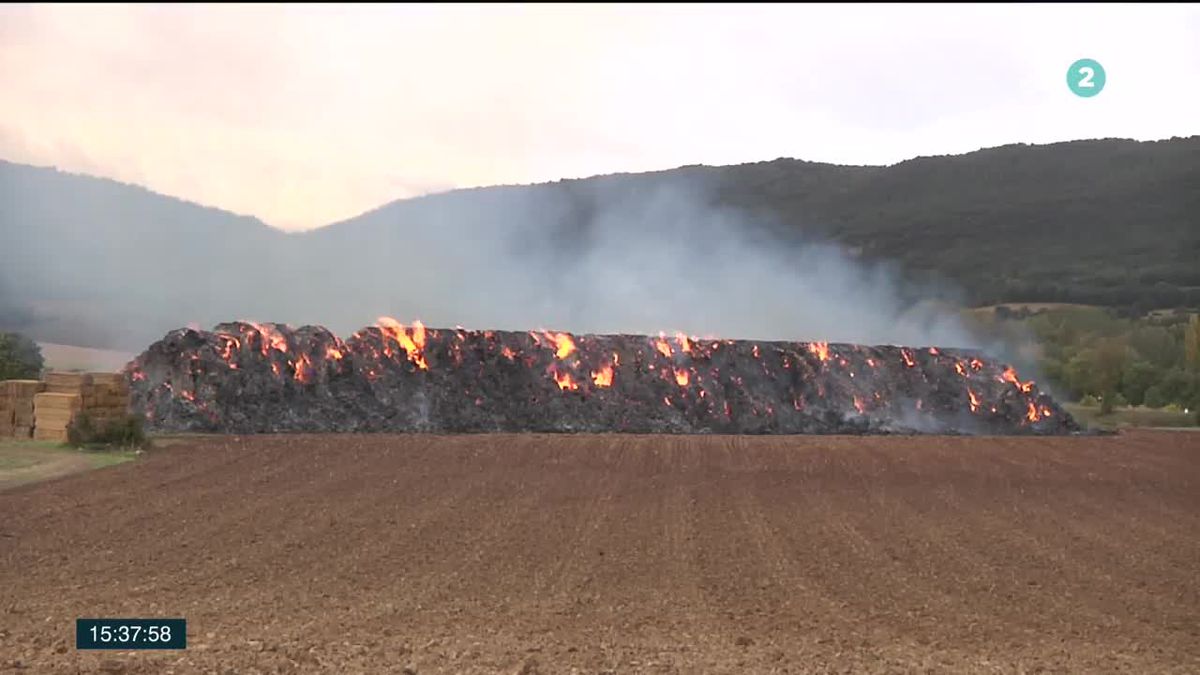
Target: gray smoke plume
<point>97,263</point>
<point>597,258</point>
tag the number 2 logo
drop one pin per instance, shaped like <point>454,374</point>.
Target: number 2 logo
<point>1085,78</point>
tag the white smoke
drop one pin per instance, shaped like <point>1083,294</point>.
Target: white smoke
<point>599,260</point>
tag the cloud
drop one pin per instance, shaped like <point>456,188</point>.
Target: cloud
<point>304,115</point>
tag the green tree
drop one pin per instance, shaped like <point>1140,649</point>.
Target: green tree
<point>1137,378</point>
<point>20,357</point>
<point>1155,398</point>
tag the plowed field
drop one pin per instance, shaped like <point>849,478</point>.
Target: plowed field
<point>617,553</point>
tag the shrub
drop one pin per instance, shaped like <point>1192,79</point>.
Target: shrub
<point>1089,401</point>
<point>125,432</point>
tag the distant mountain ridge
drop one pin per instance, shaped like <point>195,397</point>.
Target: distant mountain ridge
<point>1110,222</point>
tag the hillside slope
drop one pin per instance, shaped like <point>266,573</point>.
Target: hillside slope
<point>1109,222</point>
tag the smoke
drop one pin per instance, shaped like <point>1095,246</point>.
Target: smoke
<point>616,254</point>
<point>611,255</point>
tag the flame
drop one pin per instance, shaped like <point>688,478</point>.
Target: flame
<point>563,380</point>
<point>1010,376</point>
<point>334,353</point>
<point>275,368</point>
<point>974,400</point>
<point>563,344</point>
<point>1032,414</point>
<point>958,367</point>
<point>138,376</point>
<point>797,404</point>
<point>754,351</point>
<point>603,377</point>
<point>189,396</point>
<point>663,347</point>
<point>681,377</point>
<point>821,349</point>
<point>908,359</point>
<point>413,345</point>
<point>871,362</point>
<point>304,369</point>
<point>508,353</point>
<point>228,345</point>
<point>667,400</point>
<point>934,351</point>
<point>728,412</point>
<point>976,364</point>
<point>684,344</point>
<point>272,339</point>
<point>858,404</point>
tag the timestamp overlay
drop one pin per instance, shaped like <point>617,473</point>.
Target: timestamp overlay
<point>129,634</point>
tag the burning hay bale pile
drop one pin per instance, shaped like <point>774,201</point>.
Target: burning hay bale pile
<point>247,378</point>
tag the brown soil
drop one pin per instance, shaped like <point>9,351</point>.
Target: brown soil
<point>560,554</point>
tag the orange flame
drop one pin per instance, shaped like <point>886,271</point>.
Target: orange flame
<point>228,344</point>
<point>754,351</point>
<point>563,344</point>
<point>663,347</point>
<point>1010,376</point>
<point>603,377</point>
<point>414,345</point>
<point>976,364</point>
<point>871,362</point>
<point>1032,414</point>
<point>334,353</point>
<point>958,367</point>
<point>508,353</point>
<point>934,351</point>
<point>304,369</point>
<point>563,380</point>
<point>684,343</point>
<point>272,339</point>
<point>681,377</point>
<point>821,349</point>
<point>858,404</point>
<point>974,400</point>
<point>908,359</point>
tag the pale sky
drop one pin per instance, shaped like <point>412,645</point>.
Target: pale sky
<point>303,115</point>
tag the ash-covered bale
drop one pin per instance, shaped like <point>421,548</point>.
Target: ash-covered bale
<point>247,378</point>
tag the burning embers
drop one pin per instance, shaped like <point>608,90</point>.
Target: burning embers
<point>246,377</point>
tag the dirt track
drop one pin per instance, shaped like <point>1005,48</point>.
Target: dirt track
<point>620,553</point>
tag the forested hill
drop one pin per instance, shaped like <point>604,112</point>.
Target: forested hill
<point>1108,222</point>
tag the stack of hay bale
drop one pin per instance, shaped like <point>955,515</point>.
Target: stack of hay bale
<point>107,398</point>
<point>17,407</point>
<point>103,397</point>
